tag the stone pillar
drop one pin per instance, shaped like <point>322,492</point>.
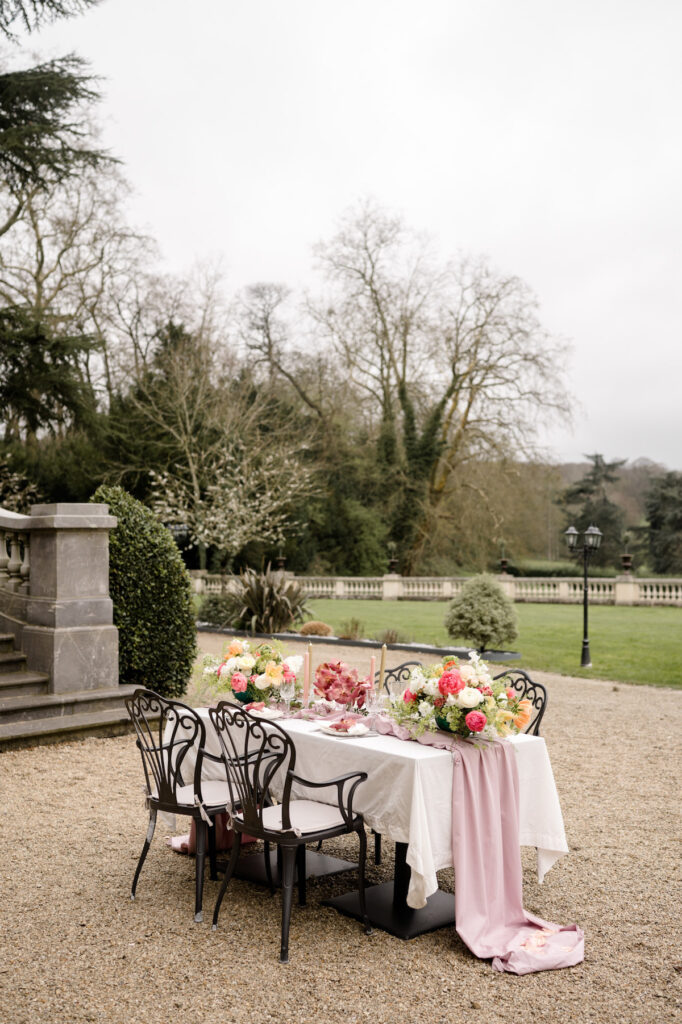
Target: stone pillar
<point>508,585</point>
<point>391,586</point>
<point>626,590</point>
<point>69,632</point>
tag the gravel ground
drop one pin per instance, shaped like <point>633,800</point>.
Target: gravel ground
<point>74,948</point>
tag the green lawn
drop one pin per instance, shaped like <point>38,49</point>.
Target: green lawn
<point>632,645</point>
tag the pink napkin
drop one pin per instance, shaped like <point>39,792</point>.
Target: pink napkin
<point>489,912</point>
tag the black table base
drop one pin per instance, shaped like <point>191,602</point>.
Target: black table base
<point>252,867</point>
<point>387,904</point>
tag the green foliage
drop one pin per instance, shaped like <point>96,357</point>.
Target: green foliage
<point>30,14</point>
<point>152,597</point>
<point>664,511</point>
<point>218,610</point>
<point>482,614</point>
<point>40,383</point>
<point>266,602</point>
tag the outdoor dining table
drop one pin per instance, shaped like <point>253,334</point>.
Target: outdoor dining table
<point>407,797</point>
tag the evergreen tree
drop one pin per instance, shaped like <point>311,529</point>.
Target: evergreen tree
<point>587,502</point>
<point>42,135</point>
<point>664,510</point>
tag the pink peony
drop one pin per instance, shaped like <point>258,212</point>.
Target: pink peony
<point>476,721</point>
<point>450,682</point>
<point>239,682</point>
<point>408,696</point>
<point>510,693</point>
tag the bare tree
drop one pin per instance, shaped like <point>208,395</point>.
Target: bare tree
<point>454,357</point>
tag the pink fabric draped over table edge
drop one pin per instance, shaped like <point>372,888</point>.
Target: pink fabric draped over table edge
<point>489,914</point>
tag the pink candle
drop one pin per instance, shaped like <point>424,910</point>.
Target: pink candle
<point>306,677</point>
<point>372,668</point>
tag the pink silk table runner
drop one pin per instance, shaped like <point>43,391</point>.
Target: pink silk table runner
<point>489,914</point>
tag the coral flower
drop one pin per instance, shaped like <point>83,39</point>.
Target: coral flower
<point>236,647</point>
<point>522,716</point>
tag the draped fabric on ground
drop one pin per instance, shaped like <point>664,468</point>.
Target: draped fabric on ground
<point>486,855</point>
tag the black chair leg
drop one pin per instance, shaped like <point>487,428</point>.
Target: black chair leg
<point>231,865</point>
<point>361,879</point>
<point>288,862</point>
<point>212,859</point>
<point>268,867</point>
<point>300,869</point>
<point>377,847</point>
<point>202,828</point>
<point>145,849</point>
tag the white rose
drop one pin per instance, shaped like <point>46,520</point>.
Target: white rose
<point>224,672</point>
<point>451,701</point>
<point>469,697</point>
<point>425,708</point>
<point>232,664</point>
<point>431,688</point>
<point>417,679</point>
<point>246,661</point>
<point>468,674</point>
<point>262,682</point>
<point>295,663</point>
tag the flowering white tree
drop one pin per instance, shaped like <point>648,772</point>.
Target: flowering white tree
<point>250,496</point>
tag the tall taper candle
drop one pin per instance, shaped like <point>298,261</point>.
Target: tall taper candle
<point>372,669</point>
<point>306,679</point>
<point>309,671</point>
<point>382,667</point>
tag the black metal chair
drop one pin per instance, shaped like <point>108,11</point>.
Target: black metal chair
<point>396,679</point>
<point>167,733</point>
<point>253,753</point>
<point>527,689</point>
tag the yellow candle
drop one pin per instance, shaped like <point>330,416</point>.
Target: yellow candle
<point>382,667</point>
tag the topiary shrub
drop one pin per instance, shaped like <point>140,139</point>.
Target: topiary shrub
<point>152,596</point>
<point>315,628</point>
<point>482,615</point>
<point>265,602</point>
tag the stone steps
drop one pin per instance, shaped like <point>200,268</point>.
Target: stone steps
<point>30,715</point>
<point>30,707</point>
<point>14,684</point>
<point>109,722</point>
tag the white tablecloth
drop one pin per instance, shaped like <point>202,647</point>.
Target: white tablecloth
<point>408,794</point>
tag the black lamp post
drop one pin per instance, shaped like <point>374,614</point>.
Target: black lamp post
<point>591,541</point>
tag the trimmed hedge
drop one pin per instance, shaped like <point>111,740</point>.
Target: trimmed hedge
<point>152,596</point>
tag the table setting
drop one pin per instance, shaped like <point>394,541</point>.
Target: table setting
<point>451,779</point>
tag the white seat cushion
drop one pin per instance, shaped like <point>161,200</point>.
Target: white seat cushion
<point>306,816</point>
<point>214,794</point>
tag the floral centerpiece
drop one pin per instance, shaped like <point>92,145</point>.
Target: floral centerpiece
<point>253,674</point>
<point>462,699</point>
<point>336,681</point>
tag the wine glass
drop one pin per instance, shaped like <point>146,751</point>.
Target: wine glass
<point>287,690</point>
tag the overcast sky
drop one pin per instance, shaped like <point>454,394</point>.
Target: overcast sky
<point>545,136</point>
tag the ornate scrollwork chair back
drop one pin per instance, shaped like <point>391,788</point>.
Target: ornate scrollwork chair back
<point>252,756</point>
<point>528,689</point>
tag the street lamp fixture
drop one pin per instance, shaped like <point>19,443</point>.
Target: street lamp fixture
<point>592,538</point>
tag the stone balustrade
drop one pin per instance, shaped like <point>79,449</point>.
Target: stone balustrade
<point>620,590</point>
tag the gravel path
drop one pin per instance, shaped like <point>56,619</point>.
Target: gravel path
<point>74,948</point>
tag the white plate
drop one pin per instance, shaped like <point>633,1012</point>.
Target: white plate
<point>328,731</point>
<point>267,713</point>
